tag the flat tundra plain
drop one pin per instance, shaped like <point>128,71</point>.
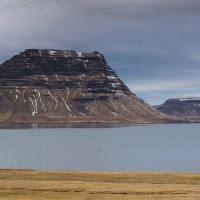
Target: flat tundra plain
<point>81,185</point>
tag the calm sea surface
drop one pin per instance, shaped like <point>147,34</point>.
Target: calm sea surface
<point>163,147</point>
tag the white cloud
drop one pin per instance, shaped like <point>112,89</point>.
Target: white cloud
<point>161,85</point>
<point>155,92</point>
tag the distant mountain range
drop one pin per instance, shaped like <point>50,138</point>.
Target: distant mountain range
<point>188,108</point>
<point>68,86</point>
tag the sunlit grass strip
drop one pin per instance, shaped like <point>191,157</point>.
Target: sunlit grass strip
<point>27,184</point>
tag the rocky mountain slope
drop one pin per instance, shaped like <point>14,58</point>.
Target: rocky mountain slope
<point>68,86</point>
<point>188,108</point>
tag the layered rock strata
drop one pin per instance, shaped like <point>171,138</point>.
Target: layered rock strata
<point>68,86</point>
<point>188,108</point>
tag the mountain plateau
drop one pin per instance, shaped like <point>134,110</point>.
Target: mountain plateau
<point>68,86</point>
<point>187,108</point>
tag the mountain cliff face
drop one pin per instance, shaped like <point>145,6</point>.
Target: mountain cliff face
<point>68,86</point>
<point>184,107</point>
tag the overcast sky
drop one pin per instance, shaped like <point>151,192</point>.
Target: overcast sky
<point>152,45</point>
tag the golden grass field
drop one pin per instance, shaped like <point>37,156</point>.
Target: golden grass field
<point>76,185</point>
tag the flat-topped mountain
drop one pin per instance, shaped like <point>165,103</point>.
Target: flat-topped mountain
<point>68,86</point>
<point>183,107</point>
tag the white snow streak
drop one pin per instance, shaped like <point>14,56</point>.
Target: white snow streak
<point>64,102</point>
<point>54,99</point>
<point>23,94</point>
<point>84,95</point>
<point>40,52</point>
<point>45,78</point>
<point>99,55</point>
<point>56,75</point>
<point>42,104</point>
<point>34,106</point>
<point>91,109</point>
<point>85,63</point>
<point>51,52</point>
<point>111,77</point>
<point>113,105</point>
<point>18,91</point>
<point>79,54</point>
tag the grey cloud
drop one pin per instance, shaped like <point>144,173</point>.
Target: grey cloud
<point>140,8</point>
<point>141,39</point>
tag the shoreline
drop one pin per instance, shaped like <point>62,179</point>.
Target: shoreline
<point>101,121</point>
<point>38,125</point>
<point>94,172</point>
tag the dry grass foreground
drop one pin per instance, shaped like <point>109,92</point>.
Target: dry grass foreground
<point>26,184</point>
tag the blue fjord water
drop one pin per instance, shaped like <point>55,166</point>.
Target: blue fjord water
<point>158,147</point>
